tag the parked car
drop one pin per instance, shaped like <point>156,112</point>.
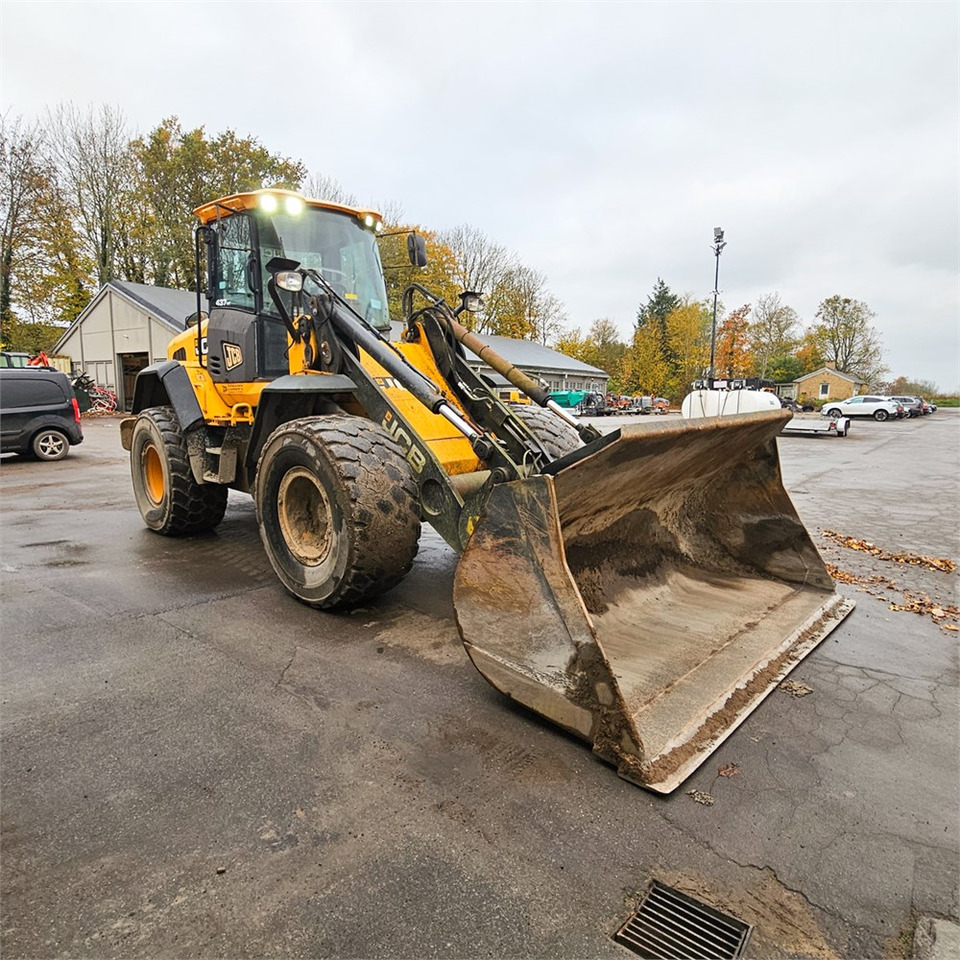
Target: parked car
<point>880,408</point>
<point>928,407</point>
<point>912,405</point>
<point>39,413</point>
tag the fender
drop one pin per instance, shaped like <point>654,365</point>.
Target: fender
<point>166,383</point>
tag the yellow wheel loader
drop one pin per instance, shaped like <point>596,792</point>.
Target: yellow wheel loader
<point>644,589</point>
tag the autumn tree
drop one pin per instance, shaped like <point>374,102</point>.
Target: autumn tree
<point>688,340</point>
<point>846,337</point>
<point>521,306</point>
<point>25,182</point>
<point>178,171</point>
<point>732,354</point>
<point>643,369</point>
<point>437,276</point>
<point>773,332</point>
<point>601,348</point>
<point>808,353</point>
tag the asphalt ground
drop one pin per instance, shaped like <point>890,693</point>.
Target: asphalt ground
<point>192,764</point>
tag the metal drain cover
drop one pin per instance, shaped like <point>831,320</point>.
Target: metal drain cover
<point>669,925</point>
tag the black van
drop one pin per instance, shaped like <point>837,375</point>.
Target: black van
<point>39,414</point>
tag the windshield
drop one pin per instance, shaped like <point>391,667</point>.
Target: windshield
<point>334,244</point>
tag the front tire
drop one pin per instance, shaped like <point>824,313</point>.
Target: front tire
<point>557,438</point>
<point>880,415</point>
<point>834,412</point>
<point>50,444</point>
<point>338,509</point>
<point>171,501</point>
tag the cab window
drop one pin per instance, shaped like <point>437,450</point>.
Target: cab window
<point>235,251</point>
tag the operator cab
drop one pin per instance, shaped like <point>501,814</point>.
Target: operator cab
<point>246,336</point>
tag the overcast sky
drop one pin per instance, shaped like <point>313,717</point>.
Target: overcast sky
<point>602,142</point>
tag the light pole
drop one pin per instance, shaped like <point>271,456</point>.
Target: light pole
<point>718,245</point>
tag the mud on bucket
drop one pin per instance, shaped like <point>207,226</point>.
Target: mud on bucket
<point>650,594</point>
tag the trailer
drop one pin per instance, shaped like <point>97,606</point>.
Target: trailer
<point>817,426</point>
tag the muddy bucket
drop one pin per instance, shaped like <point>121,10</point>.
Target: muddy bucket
<point>648,592</point>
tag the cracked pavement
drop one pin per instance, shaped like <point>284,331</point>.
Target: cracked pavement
<point>195,765</point>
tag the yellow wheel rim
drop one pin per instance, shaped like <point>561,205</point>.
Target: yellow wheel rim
<point>152,470</point>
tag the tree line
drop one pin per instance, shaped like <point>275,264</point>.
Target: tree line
<point>672,335</point>
<point>85,201</point>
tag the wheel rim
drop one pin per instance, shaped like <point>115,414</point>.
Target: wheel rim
<point>152,470</point>
<point>51,445</point>
<point>306,520</point>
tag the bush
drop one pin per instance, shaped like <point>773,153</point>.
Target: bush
<point>945,401</point>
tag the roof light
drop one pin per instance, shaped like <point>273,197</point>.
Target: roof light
<point>378,226</point>
<point>268,202</point>
<point>368,220</point>
<point>294,206</point>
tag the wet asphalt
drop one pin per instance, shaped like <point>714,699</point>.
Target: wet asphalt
<point>195,765</point>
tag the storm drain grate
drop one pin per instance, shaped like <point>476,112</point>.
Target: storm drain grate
<point>669,925</point>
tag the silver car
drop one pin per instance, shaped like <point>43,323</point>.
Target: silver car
<point>880,408</point>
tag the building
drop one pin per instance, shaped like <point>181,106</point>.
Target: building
<point>123,329</point>
<point>827,382</point>
<point>127,326</point>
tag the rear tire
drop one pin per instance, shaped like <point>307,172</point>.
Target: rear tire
<point>50,444</point>
<point>337,507</point>
<point>558,438</point>
<point>171,501</point>
<point>880,415</point>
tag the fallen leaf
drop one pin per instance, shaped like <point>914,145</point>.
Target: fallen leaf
<point>729,770</point>
<point>949,626</point>
<point>795,688</point>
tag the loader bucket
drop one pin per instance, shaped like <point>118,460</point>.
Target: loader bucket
<point>649,593</point>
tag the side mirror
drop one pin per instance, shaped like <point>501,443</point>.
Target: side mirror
<point>417,249</point>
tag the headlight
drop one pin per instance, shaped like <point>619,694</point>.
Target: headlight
<point>289,280</point>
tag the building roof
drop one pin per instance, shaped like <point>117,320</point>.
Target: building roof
<point>172,306</point>
<point>169,306</point>
<point>832,372</point>
<point>527,355</point>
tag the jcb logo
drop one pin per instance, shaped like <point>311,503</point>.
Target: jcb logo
<point>415,456</point>
<point>232,356</point>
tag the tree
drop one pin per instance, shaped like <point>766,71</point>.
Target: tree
<point>773,331</point>
<point>846,337</point>
<point>600,348</point>
<point>437,276</point>
<point>785,368</point>
<point>732,355</point>
<point>809,354</point>
<point>654,313</point>
<point>688,339</point>
<point>480,264</point>
<point>643,369</point>
<point>94,171</point>
<point>319,186</point>
<point>521,306</point>
<point>25,182</point>
<point>178,171</point>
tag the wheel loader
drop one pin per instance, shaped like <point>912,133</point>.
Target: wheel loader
<point>644,589</point>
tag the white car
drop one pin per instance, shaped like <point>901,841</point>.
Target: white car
<point>880,408</point>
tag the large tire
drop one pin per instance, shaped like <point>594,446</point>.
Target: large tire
<point>50,444</point>
<point>171,501</point>
<point>880,415</point>
<point>558,438</point>
<point>338,509</point>
<point>834,412</point>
